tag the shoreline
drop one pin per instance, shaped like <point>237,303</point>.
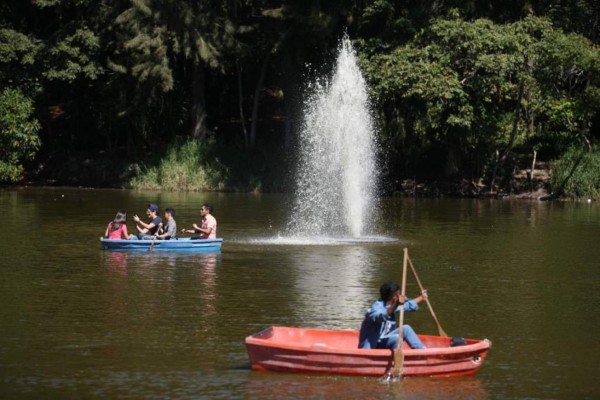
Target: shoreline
<point>424,191</point>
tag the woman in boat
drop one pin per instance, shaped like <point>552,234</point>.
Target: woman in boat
<point>378,330</point>
<point>117,228</point>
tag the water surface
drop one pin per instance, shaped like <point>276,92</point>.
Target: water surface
<point>78,322</point>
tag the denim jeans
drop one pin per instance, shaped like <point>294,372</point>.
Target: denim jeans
<point>408,334</point>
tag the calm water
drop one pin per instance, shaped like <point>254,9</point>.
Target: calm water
<point>78,322</point>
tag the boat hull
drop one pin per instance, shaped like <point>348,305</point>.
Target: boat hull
<point>180,244</point>
<point>335,352</point>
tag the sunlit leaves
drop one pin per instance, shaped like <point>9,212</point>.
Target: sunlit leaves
<point>19,129</point>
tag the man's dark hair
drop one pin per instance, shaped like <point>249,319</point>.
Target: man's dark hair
<point>170,211</point>
<point>208,206</point>
<point>387,290</point>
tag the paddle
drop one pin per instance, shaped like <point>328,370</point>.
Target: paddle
<point>155,236</point>
<point>414,271</point>
<point>152,245</point>
<point>399,354</point>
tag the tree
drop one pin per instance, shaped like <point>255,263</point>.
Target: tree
<point>476,89</point>
<point>18,133</point>
<point>159,39</point>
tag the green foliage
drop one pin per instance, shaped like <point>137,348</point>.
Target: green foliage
<point>185,166</point>
<point>577,174</point>
<point>480,87</point>
<point>19,129</point>
<point>454,83</point>
<point>154,35</point>
<point>73,57</point>
<point>17,47</point>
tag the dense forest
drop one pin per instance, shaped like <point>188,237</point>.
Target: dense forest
<point>207,95</point>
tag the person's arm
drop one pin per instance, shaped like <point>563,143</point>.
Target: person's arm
<point>156,222</point>
<point>198,229</point>
<point>124,233</point>
<point>144,226</point>
<point>413,304</point>
<point>107,228</point>
<point>170,231</point>
<point>379,311</point>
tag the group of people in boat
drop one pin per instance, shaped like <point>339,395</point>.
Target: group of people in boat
<point>378,329</point>
<point>155,228</point>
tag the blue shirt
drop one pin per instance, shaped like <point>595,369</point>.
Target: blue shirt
<point>379,324</point>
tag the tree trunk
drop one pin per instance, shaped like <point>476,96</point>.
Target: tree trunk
<point>198,103</point>
<point>241,104</point>
<point>451,168</point>
<point>513,134</point>
<point>290,96</point>
<point>515,128</point>
<point>259,87</point>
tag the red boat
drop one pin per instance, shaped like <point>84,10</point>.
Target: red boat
<point>335,352</point>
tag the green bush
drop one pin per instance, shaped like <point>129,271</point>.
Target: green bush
<point>577,174</point>
<point>19,129</point>
<point>186,166</point>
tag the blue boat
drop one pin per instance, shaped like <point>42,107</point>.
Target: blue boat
<point>179,244</point>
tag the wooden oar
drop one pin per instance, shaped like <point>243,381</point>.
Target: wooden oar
<point>414,271</point>
<point>399,354</point>
<point>158,230</point>
<point>152,245</point>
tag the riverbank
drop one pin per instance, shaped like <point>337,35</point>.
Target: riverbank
<point>522,187</point>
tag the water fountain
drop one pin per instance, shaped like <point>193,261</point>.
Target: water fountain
<point>337,172</point>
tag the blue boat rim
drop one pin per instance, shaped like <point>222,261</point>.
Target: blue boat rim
<point>178,244</point>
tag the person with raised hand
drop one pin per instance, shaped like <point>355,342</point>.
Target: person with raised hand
<point>147,230</point>
<point>378,329</point>
<point>208,224</point>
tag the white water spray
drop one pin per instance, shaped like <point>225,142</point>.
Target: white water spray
<point>337,172</point>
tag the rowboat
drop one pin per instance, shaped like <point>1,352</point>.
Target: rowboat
<point>179,244</point>
<point>335,352</point>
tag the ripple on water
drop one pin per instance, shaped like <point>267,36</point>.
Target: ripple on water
<point>316,240</point>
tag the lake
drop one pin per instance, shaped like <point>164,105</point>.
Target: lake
<point>78,322</point>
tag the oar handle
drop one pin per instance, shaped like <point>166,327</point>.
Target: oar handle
<point>439,326</point>
<point>399,354</point>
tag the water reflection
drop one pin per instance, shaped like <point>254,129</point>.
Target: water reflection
<point>118,260</point>
<point>78,322</point>
<point>282,385</point>
<point>332,279</point>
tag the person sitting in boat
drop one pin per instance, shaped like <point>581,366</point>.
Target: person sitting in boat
<point>169,231</point>
<point>149,229</point>
<point>378,330</point>
<point>117,228</point>
<point>208,224</point>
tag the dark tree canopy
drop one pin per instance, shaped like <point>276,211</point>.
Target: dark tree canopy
<point>133,92</point>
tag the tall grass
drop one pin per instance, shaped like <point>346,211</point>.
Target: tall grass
<point>577,174</point>
<point>186,166</point>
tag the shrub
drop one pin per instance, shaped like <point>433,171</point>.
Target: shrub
<point>577,174</point>
<point>186,166</point>
<point>19,129</point>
